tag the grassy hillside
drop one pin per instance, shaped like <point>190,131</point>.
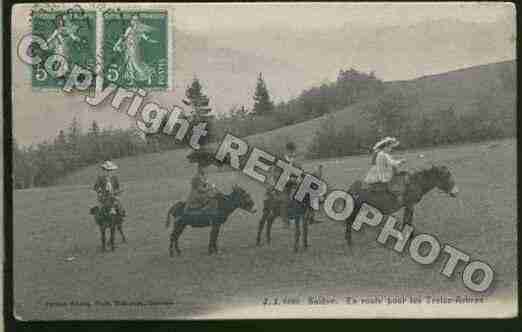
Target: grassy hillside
<point>462,89</point>
<point>167,164</point>
<point>57,258</point>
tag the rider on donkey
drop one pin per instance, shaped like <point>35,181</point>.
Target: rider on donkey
<point>318,173</point>
<point>384,168</point>
<point>202,194</point>
<point>108,188</point>
<point>285,197</point>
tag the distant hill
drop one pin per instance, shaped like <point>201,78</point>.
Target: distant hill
<point>462,89</point>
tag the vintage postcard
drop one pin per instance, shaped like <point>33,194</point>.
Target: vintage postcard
<point>264,160</point>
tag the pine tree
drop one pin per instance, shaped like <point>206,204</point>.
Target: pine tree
<point>73,143</point>
<point>263,105</point>
<point>94,145</point>
<point>199,102</point>
<point>74,132</point>
<point>243,111</point>
<point>23,172</point>
<point>240,113</point>
<point>60,139</point>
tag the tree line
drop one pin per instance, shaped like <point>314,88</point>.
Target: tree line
<point>350,87</point>
<point>42,164</point>
<point>391,116</point>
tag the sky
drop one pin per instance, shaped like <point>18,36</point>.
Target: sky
<point>228,16</point>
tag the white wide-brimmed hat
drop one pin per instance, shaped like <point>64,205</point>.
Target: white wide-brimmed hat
<point>109,165</point>
<point>392,141</point>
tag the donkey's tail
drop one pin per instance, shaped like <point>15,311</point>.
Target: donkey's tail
<point>168,221</point>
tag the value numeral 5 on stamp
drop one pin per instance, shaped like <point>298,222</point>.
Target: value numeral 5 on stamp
<point>71,40</point>
<point>135,49</point>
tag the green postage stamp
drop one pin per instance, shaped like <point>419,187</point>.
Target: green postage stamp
<point>125,44</point>
<point>135,48</point>
<point>70,36</point>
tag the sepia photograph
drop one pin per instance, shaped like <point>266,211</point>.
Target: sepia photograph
<point>215,161</point>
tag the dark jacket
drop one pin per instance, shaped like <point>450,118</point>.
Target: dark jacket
<point>101,187</point>
<point>200,192</point>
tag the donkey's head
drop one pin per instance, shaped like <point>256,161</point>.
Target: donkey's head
<point>445,180</point>
<point>245,200</point>
<point>94,210</point>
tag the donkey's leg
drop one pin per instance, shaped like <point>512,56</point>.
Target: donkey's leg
<point>260,227</point>
<point>120,230</point>
<point>408,215</point>
<point>349,224</point>
<point>408,219</point>
<point>102,232</point>
<point>215,242</point>
<point>283,213</point>
<point>113,231</point>
<point>306,219</point>
<point>212,247</point>
<point>297,222</point>
<point>348,231</point>
<point>174,237</point>
<point>171,244</point>
<point>269,224</point>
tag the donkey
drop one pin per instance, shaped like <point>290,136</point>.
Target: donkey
<point>417,185</point>
<point>227,204</point>
<point>107,220</point>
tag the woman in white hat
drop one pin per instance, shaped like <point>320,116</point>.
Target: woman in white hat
<point>383,164</point>
<point>108,187</point>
